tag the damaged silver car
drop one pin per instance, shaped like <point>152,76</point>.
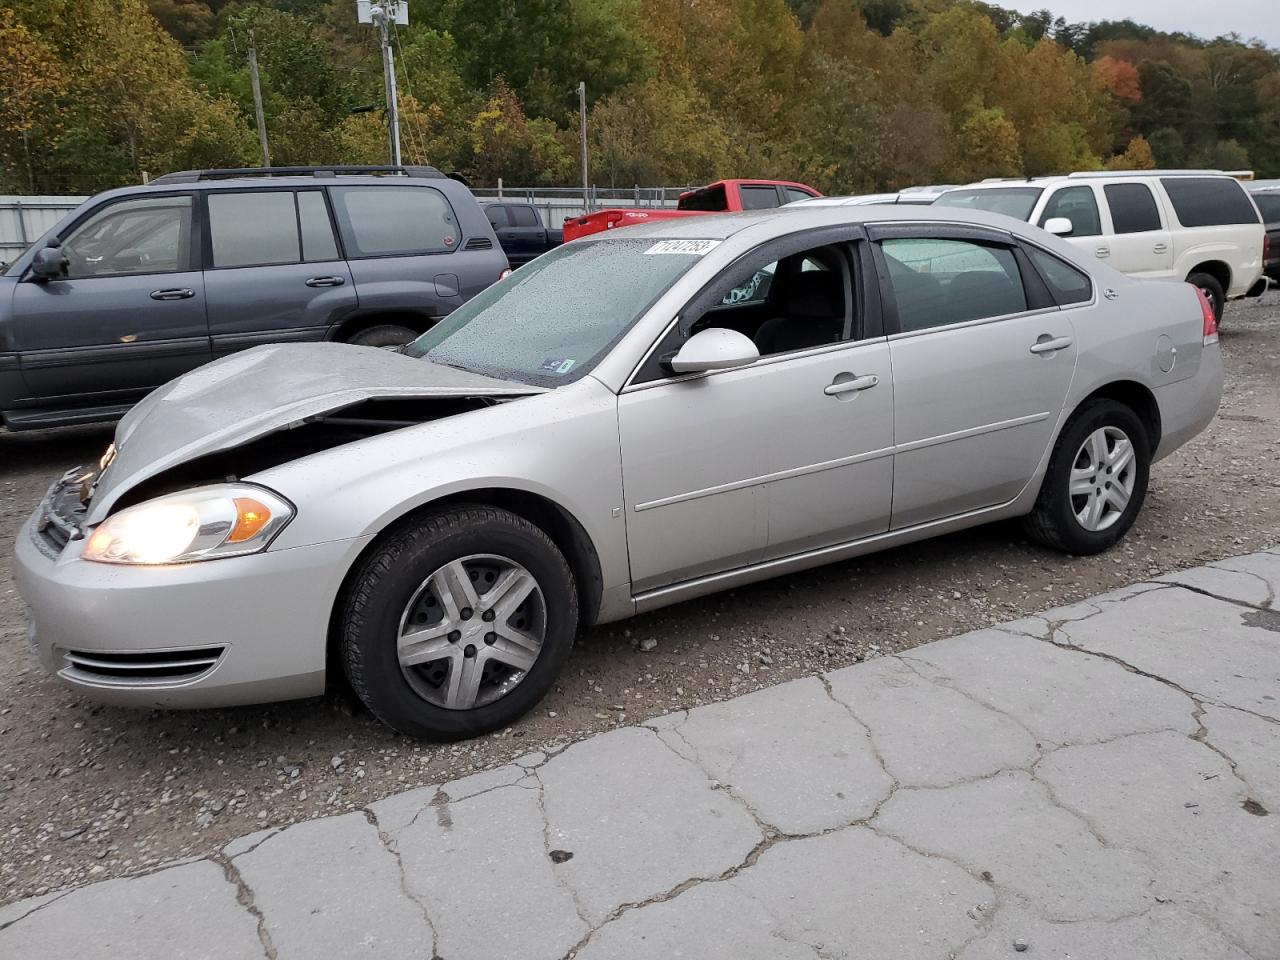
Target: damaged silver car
<point>614,428</point>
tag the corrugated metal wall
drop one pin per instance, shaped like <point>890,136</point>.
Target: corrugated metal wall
<point>23,219</point>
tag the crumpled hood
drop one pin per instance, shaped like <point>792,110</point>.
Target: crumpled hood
<point>247,395</point>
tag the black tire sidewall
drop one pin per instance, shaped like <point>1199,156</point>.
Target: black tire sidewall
<point>1209,282</point>
<point>1071,535</point>
<point>383,335</point>
<point>387,587</point>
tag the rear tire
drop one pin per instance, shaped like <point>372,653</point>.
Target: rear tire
<point>1212,289</point>
<point>1091,495</point>
<point>383,335</point>
<point>398,591</point>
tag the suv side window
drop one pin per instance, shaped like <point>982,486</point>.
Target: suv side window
<point>1133,208</point>
<point>253,229</point>
<point>1208,201</point>
<point>1067,284</point>
<point>937,282</point>
<point>525,217</point>
<point>793,194</point>
<point>758,197</point>
<point>143,235</point>
<point>1078,205</point>
<point>394,221</point>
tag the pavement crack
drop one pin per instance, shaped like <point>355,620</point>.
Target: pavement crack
<point>246,898</point>
<point>37,908</point>
<point>389,844</point>
<point>1267,604</point>
<point>946,683</point>
<point>871,742</point>
<point>547,848</point>
<point>1265,607</point>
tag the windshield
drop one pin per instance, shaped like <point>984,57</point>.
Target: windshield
<point>553,320</point>
<point>1017,202</point>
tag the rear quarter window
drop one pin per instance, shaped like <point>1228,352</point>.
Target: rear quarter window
<point>394,221</point>
<point>1208,201</point>
<point>1067,284</point>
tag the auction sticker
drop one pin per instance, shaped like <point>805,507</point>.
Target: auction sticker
<point>688,248</point>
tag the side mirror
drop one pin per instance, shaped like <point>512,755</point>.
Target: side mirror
<point>715,348</point>
<point>1059,225</point>
<point>49,263</point>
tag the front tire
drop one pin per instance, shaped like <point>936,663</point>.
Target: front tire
<point>1096,481</point>
<point>458,623</point>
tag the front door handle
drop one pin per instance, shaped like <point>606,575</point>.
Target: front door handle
<point>1050,345</point>
<point>1102,252</point>
<point>838,386</point>
<point>177,293</point>
<point>325,282</point>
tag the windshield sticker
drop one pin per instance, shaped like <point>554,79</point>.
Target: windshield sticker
<point>688,248</point>
<point>556,365</point>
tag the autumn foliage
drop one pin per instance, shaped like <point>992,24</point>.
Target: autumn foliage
<point>849,95</point>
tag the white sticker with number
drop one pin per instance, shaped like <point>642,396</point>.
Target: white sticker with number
<point>688,248</point>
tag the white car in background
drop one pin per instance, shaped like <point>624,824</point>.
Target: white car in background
<point>1194,225</point>
<point>909,195</point>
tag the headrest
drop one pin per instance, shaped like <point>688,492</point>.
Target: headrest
<point>816,293</point>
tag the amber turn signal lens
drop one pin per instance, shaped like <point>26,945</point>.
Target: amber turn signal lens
<point>251,516</point>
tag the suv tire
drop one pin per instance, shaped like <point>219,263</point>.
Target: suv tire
<point>1212,289</point>
<point>408,601</point>
<point>383,335</point>
<point>1091,494</point>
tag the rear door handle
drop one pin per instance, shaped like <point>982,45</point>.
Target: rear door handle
<point>1160,248</point>
<point>177,293</point>
<point>849,386</point>
<point>1051,345</point>
<point>325,282</point>
<point>1102,252</point>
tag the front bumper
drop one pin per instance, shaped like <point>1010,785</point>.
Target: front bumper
<point>222,632</point>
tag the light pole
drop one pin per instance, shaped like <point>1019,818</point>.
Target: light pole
<point>382,14</point>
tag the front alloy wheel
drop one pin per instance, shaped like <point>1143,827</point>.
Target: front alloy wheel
<point>472,631</point>
<point>457,622</point>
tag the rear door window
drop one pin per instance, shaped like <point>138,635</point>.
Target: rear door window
<point>939,282</point>
<point>1208,201</point>
<point>394,221</point>
<point>758,197</point>
<point>1067,284</point>
<point>263,228</point>
<point>1133,207</point>
<point>525,217</point>
<point>1078,205</point>
<point>793,194</point>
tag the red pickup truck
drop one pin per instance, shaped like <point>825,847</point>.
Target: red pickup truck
<point>719,197</point>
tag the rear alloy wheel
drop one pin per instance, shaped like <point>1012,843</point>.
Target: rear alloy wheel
<point>1096,480</point>
<point>458,623</point>
<point>1212,291</point>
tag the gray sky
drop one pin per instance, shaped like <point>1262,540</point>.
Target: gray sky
<point>1249,18</point>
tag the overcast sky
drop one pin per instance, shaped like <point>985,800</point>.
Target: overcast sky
<point>1249,18</point>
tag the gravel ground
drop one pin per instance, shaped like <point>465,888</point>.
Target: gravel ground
<point>89,791</point>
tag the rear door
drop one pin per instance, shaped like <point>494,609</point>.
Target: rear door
<point>274,272</point>
<point>982,361</point>
<point>130,313</point>
<point>1140,241</point>
<point>398,241</point>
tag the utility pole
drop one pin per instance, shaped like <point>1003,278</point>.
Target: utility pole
<point>582,123</point>
<point>257,102</point>
<point>382,14</point>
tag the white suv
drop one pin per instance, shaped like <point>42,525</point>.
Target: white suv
<point>1193,225</point>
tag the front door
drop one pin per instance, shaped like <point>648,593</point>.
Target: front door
<point>981,369</point>
<point>128,316</point>
<point>792,453</point>
<point>274,273</point>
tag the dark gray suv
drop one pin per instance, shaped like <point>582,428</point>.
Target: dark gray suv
<point>141,284</point>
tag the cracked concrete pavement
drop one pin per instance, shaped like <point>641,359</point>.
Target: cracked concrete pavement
<point>1100,780</point>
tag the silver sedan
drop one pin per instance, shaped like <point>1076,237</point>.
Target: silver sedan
<point>631,420</point>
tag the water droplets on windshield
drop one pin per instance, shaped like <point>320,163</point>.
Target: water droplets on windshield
<point>551,321</point>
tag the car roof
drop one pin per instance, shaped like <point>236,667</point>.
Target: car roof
<point>722,226</point>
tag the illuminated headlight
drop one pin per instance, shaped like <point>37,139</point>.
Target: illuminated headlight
<point>221,521</point>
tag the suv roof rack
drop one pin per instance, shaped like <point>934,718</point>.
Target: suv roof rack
<point>1085,174</point>
<point>229,173</point>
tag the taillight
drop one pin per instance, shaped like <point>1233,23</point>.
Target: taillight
<point>1210,321</point>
